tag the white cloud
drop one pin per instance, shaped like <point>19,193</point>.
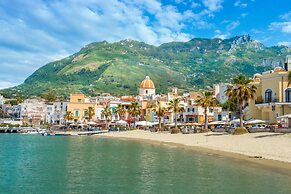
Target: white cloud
<point>221,35</point>
<point>244,14</point>
<point>194,5</point>
<point>282,26</point>
<point>213,5</point>
<point>4,84</point>
<point>284,43</point>
<point>238,3</point>
<point>286,16</point>
<point>231,26</point>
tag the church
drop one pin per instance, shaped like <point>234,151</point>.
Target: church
<point>147,90</point>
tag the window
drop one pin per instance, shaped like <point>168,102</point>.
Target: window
<point>79,100</point>
<point>147,92</point>
<point>211,110</point>
<point>76,113</point>
<point>288,95</point>
<point>190,119</point>
<point>273,108</point>
<point>268,95</point>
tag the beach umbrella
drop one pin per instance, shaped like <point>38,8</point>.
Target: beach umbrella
<point>91,123</point>
<point>217,123</point>
<point>255,121</point>
<point>121,122</point>
<point>235,121</point>
<point>145,123</point>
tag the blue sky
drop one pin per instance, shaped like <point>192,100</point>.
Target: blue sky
<point>35,32</point>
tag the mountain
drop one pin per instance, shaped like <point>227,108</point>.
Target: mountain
<point>119,67</point>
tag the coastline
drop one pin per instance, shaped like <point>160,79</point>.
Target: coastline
<point>217,144</point>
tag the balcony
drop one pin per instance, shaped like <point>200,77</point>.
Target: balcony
<point>266,101</point>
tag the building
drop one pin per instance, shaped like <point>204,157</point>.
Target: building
<point>273,95</point>
<point>78,105</point>
<point>55,112</point>
<point>219,92</point>
<point>147,90</point>
<point>33,111</point>
<point>1,101</point>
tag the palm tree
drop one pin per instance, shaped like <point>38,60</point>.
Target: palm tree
<point>206,100</point>
<point>106,112</point>
<point>134,110</point>
<point>120,110</point>
<point>242,91</point>
<point>90,112</point>
<point>69,116</point>
<point>175,107</point>
<point>160,112</point>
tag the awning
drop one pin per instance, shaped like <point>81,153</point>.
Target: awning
<point>255,121</point>
<point>284,116</point>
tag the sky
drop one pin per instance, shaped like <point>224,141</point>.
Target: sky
<point>35,32</point>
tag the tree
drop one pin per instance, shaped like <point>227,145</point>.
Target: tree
<point>160,112</point>
<point>90,112</point>
<point>69,116</point>
<point>242,91</point>
<point>175,107</point>
<point>49,95</point>
<point>134,110</point>
<point>11,102</point>
<point>120,110</point>
<point>206,100</point>
<point>106,112</point>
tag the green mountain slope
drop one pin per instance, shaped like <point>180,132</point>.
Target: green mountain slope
<point>119,67</point>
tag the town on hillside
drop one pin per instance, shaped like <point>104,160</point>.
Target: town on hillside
<point>260,103</point>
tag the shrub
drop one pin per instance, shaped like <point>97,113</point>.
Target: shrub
<point>240,131</point>
<point>203,130</point>
<point>175,131</point>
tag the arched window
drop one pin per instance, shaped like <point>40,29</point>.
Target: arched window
<point>288,95</point>
<point>147,91</point>
<point>268,95</point>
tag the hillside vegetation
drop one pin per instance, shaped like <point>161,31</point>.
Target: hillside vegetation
<point>119,67</point>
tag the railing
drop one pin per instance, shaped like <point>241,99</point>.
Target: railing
<point>267,101</point>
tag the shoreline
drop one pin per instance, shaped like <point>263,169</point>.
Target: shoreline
<point>280,165</point>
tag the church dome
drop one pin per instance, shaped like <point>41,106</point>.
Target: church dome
<point>147,83</point>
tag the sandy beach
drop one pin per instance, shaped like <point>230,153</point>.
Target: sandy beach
<point>256,146</point>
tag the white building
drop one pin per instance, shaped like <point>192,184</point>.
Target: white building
<point>33,111</point>
<point>219,92</point>
<point>55,112</point>
<point>1,101</point>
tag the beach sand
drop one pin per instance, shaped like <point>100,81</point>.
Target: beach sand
<point>270,149</point>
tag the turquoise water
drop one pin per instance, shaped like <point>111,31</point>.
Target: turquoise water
<point>37,164</point>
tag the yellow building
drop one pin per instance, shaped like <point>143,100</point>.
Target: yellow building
<point>273,96</point>
<point>78,105</point>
